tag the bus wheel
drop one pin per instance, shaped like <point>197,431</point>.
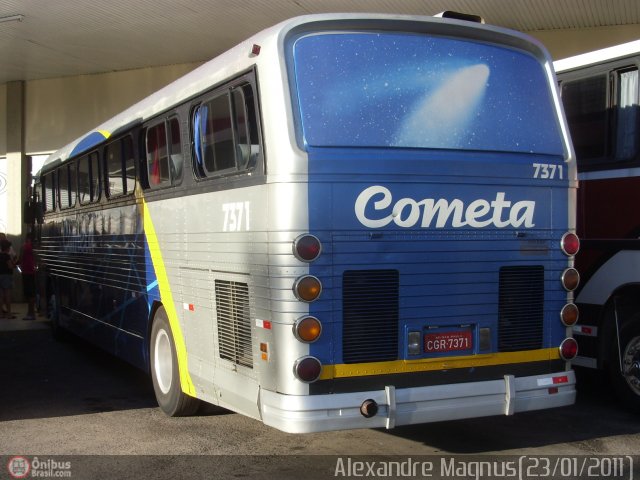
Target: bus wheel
<point>164,370</point>
<point>626,382</point>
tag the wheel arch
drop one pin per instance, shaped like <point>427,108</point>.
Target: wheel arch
<point>621,306</point>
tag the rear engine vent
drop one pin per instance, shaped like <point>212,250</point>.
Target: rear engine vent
<point>234,322</point>
<point>370,315</point>
<point>521,313</point>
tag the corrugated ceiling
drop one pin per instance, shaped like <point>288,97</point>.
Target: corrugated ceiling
<point>70,37</point>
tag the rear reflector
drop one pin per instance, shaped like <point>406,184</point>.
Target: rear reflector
<point>570,279</point>
<point>307,369</point>
<point>307,248</point>
<point>307,288</point>
<point>568,349</point>
<point>570,244</point>
<point>307,329</point>
<point>569,314</point>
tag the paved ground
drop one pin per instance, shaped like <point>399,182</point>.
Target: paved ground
<point>71,399</point>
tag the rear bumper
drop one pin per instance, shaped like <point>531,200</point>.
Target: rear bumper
<point>317,413</point>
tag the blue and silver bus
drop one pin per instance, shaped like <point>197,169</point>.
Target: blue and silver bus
<point>346,221</point>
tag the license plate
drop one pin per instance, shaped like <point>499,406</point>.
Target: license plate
<point>448,341</point>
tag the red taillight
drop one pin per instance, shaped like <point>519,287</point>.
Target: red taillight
<point>570,279</point>
<point>307,369</point>
<point>570,244</point>
<point>569,314</point>
<point>568,349</point>
<point>307,248</point>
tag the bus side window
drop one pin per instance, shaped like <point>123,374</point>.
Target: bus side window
<point>88,178</point>
<point>225,133</point>
<point>247,142</point>
<point>42,190</point>
<point>157,156</point>
<point>198,113</point>
<point>627,103</point>
<point>129,165</point>
<point>164,154</point>
<point>94,164</point>
<point>73,183</point>
<point>84,180</point>
<point>49,191</point>
<point>252,126</point>
<point>585,102</point>
<point>63,186</point>
<point>217,133</point>
<point>120,167</point>
<point>114,180</point>
<point>175,151</point>
<point>603,125</point>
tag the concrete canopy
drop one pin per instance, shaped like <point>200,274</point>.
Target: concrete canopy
<point>51,39</point>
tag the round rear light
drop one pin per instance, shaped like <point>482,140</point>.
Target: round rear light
<point>307,248</point>
<point>570,244</point>
<point>568,349</point>
<point>307,288</point>
<point>570,279</point>
<point>569,314</point>
<point>307,369</point>
<point>307,329</point>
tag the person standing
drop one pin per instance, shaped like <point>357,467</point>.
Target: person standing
<point>6,277</point>
<point>28,266</point>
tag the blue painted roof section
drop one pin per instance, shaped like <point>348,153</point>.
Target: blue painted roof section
<point>88,142</point>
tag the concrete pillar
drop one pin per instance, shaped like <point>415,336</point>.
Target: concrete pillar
<point>18,171</point>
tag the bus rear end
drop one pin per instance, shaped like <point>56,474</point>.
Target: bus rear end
<point>440,186</point>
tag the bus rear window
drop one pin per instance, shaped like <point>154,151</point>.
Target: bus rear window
<point>418,91</point>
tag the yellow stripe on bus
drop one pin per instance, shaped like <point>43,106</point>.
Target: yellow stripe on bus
<point>167,301</point>
<point>436,364</point>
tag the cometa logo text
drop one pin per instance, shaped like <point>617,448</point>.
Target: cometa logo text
<point>375,208</point>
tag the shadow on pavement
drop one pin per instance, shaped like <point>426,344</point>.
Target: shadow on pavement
<point>43,378</point>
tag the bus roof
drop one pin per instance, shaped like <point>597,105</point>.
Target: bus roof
<point>598,56</point>
<point>241,58</point>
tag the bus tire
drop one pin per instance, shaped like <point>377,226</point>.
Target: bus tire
<point>626,384</point>
<point>164,370</point>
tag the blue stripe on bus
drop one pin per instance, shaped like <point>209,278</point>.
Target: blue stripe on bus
<point>152,285</point>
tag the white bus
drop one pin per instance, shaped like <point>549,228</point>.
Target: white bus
<point>601,96</point>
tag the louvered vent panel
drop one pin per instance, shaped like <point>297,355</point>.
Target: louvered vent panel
<point>521,314</point>
<point>370,315</point>
<point>234,322</point>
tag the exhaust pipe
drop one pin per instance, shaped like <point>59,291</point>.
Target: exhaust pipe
<point>369,408</point>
